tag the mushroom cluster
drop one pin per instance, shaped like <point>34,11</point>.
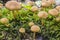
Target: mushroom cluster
<point>28,20</point>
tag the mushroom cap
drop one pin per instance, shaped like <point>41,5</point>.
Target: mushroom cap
<point>45,4</point>
<point>31,3</point>
<point>4,20</point>
<point>12,5</point>
<point>58,8</point>
<point>52,1</point>
<point>22,30</point>
<point>42,14</point>
<point>53,12</point>
<point>34,8</point>
<point>35,28</point>
<point>44,0</point>
<point>31,24</point>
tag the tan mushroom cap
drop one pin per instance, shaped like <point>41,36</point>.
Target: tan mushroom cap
<point>31,3</point>
<point>53,12</point>
<point>4,20</point>
<point>22,30</point>
<point>45,4</point>
<point>42,14</point>
<point>44,0</point>
<point>12,5</point>
<point>34,8</point>
<point>31,23</point>
<point>35,28</point>
<point>58,8</point>
<point>52,1</point>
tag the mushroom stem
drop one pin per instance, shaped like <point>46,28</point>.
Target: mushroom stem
<point>15,14</point>
<point>34,36</point>
<point>28,36</point>
<point>24,35</point>
<point>42,22</point>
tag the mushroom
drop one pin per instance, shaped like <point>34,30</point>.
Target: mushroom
<point>35,29</point>
<point>53,12</point>
<point>43,14</point>
<point>34,8</point>
<point>4,20</point>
